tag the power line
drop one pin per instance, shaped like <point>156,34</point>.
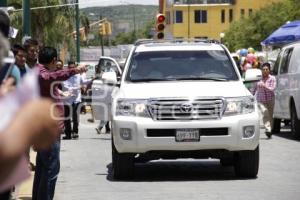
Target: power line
<point>56,6</point>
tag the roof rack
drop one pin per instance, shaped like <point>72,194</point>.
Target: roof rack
<point>148,41</point>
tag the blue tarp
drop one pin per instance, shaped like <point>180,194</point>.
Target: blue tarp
<point>287,33</point>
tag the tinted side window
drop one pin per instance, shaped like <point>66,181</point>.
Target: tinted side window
<point>286,61</point>
<point>276,65</point>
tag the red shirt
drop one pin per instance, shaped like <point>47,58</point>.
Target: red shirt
<point>48,81</point>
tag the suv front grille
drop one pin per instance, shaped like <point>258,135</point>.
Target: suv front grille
<point>185,109</point>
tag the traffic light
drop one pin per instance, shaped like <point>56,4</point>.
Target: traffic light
<point>82,34</point>
<point>107,28</point>
<point>102,29</point>
<point>160,26</point>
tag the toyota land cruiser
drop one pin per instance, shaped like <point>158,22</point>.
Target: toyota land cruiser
<point>183,99</point>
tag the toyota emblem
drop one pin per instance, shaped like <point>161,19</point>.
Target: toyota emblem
<point>186,108</point>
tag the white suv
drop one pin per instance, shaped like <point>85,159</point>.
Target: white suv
<point>183,100</point>
<point>287,93</point>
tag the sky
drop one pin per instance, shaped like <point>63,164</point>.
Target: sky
<point>96,3</point>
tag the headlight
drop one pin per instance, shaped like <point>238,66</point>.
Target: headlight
<point>239,105</point>
<point>135,107</point>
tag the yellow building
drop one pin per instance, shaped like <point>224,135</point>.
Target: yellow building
<point>205,18</point>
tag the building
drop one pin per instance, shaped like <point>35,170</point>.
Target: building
<point>205,18</point>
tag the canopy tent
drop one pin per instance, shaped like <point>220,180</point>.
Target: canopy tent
<point>287,33</point>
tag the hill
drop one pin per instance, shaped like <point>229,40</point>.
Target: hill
<point>123,16</point>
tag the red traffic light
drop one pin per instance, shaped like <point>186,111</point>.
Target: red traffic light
<point>160,18</point>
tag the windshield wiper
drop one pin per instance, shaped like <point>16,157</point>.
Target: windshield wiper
<point>148,79</point>
<point>177,79</point>
<point>197,78</point>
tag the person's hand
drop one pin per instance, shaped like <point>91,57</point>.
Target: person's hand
<point>66,94</point>
<point>260,84</point>
<point>81,69</point>
<point>7,86</point>
<point>40,116</point>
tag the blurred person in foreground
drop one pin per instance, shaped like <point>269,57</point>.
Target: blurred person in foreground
<point>48,162</point>
<point>264,93</point>
<point>20,133</point>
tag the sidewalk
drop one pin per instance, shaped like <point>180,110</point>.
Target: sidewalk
<point>25,189</point>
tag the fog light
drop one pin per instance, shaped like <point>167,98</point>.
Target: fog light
<point>125,133</point>
<point>248,131</point>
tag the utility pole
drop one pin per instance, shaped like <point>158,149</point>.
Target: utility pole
<point>101,39</point>
<point>189,21</point>
<point>26,19</point>
<point>77,32</point>
<point>134,27</point>
<point>3,3</point>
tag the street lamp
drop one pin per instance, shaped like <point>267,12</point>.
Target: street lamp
<point>222,35</point>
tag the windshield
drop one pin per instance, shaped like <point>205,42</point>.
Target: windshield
<point>181,65</point>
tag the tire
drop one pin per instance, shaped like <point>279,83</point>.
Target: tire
<point>122,164</point>
<point>247,163</point>
<point>276,125</point>
<point>295,123</point>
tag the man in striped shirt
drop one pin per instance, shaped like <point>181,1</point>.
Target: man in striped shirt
<point>264,93</point>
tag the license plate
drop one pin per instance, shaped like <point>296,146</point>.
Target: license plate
<point>187,135</point>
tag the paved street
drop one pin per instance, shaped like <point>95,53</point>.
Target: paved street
<point>85,173</point>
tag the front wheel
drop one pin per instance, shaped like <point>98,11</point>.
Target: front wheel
<point>122,164</point>
<point>247,163</point>
<point>295,123</point>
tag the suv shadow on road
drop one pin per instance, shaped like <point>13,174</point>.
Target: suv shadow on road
<point>160,171</point>
<point>286,134</point>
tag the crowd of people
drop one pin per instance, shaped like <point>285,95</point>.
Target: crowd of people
<point>37,123</point>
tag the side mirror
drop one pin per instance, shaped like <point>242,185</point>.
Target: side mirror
<point>252,75</point>
<point>110,78</point>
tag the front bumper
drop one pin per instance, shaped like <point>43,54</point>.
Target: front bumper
<point>141,143</point>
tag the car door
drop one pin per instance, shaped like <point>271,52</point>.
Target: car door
<point>102,91</point>
<point>282,90</point>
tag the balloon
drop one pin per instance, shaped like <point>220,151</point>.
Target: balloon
<point>243,52</point>
<point>251,50</point>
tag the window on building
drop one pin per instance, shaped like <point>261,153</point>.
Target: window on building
<point>178,16</point>
<point>223,16</point>
<point>230,15</point>
<point>250,12</point>
<point>200,16</point>
<point>201,38</point>
<point>242,12</point>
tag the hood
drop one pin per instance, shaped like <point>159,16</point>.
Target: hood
<point>182,89</point>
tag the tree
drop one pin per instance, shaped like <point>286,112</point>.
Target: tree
<point>50,26</point>
<point>249,32</point>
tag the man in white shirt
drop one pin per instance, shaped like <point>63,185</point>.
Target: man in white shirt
<point>72,102</point>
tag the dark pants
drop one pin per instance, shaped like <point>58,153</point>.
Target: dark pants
<point>46,173</point>
<point>71,112</point>
<point>5,195</point>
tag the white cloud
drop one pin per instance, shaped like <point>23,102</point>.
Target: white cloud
<point>96,3</point>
